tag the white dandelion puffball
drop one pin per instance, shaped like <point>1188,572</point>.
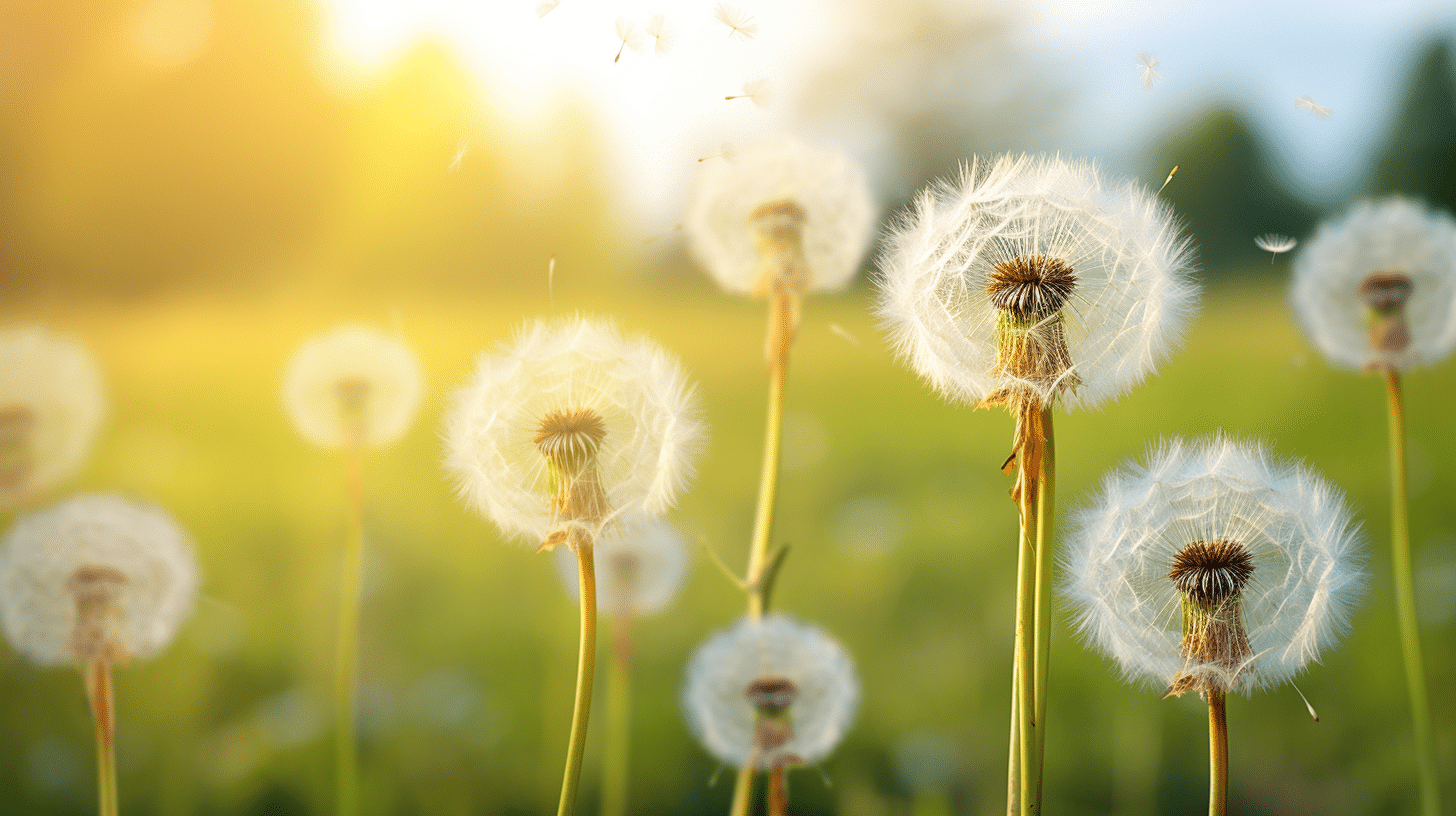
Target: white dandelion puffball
<point>1357,262</point>
<point>1282,532</point>
<point>1097,273</point>
<point>829,191</point>
<point>52,402</point>
<point>770,691</point>
<point>641,412</point>
<point>353,385</point>
<point>639,567</point>
<point>95,577</point>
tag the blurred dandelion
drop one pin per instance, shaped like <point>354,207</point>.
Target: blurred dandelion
<point>629,35</point>
<point>96,580</point>
<point>662,34</point>
<point>1275,244</point>
<point>1147,63</point>
<point>569,429</point>
<point>770,693</point>
<point>353,386</point>
<point>738,21</point>
<point>1319,111</point>
<point>1213,569</point>
<point>757,90</point>
<point>1375,288</point>
<point>52,402</point>
<point>1028,283</point>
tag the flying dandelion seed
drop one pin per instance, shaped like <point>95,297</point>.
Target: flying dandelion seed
<point>629,35</point>
<point>1320,111</point>
<point>1274,244</point>
<point>460,150</point>
<point>544,7</point>
<point>1171,174</point>
<point>843,332</point>
<point>1148,63</point>
<point>757,90</point>
<point>725,152</point>
<point>659,30</point>
<point>738,21</point>
<point>551,280</point>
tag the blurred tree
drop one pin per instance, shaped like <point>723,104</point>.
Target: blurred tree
<point>1227,189</point>
<point>1419,158</point>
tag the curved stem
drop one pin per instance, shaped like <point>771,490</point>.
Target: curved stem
<point>1217,754</point>
<point>782,324</point>
<point>1405,604</point>
<point>585,672</point>
<point>1045,512</point>
<point>346,751</point>
<point>615,764</point>
<point>103,709</point>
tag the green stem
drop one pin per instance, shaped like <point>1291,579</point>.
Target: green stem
<point>1029,434</point>
<point>1405,604</point>
<point>103,709</point>
<point>1045,513</point>
<point>1217,754</point>
<point>1013,762</point>
<point>619,718</point>
<point>781,332</point>
<point>585,671</point>
<point>346,751</point>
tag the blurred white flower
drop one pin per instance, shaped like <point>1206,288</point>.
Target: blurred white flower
<point>770,691</point>
<point>570,425</point>
<point>353,386</point>
<point>639,567</point>
<point>95,578</point>
<point>1376,286</point>
<point>1214,567</point>
<point>780,202</point>
<point>51,405</point>
<point>1032,279</point>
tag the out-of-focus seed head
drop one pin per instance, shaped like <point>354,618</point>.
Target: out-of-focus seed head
<point>52,402</point>
<point>353,386</point>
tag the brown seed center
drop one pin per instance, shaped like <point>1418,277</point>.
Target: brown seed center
<point>771,695</point>
<point>1212,571</point>
<point>571,435</point>
<point>1386,292</point>
<point>1031,287</point>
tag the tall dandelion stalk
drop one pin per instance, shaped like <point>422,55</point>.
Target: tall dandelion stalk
<point>1030,283</point>
<point>96,581</point>
<point>1214,569</point>
<point>1375,289</point>
<point>561,436</point>
<point>777,220</point>
<point>352,388</point>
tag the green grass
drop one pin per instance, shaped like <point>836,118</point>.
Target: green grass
<point>904,546</point>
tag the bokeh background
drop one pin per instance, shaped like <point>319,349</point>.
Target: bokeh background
<point>194,187</point>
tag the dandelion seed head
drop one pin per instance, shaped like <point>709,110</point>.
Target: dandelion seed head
<point>95,577</point>
<point>739,22</point>
<point>640,567</point>
<point>768,691</point>
<point>52,402</point>
<point>825,186</point>
<point>1265,545</point>
<point>1376,285</point>
<point>1021,237</point>
<point>353,385</point>
<point>574,384</point>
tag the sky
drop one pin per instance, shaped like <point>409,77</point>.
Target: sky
<point>662,112</point>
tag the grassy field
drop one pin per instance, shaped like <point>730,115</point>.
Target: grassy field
<point>903,547</point>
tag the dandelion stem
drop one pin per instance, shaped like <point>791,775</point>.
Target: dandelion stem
<point>778,792</point>
<point>103,708</point>
<point>1405,603</point>
<point>1045,510</point>
<point>585,671</point>
<point>619,718</point>
<point>1013,763</point>
<point>346,758</point>
<point>1031,436</point>
<point>781,334</point>
<point>1217,754</point>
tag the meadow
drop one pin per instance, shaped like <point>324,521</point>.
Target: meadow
<point>903,547</point>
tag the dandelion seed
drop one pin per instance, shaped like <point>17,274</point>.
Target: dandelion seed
<point>1376,286</point>
<point>1320,111</point>
<point>1274,244</point>
<point>662,33</point>
<point>462,148</point>
<point>1264,554</point>
<point>353,386</point>
<point>770,690</point>
<point>52,402</point>
<point>780,184</point>
<point>725,152</point>
<point>737,20</point>
<point>843,332</point>
<point>629,35</point>
<point>545,7</point>
<point>1147,62</point>
<point>551,281</point>
<point>757,90</point>
<point>1171,174</point>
